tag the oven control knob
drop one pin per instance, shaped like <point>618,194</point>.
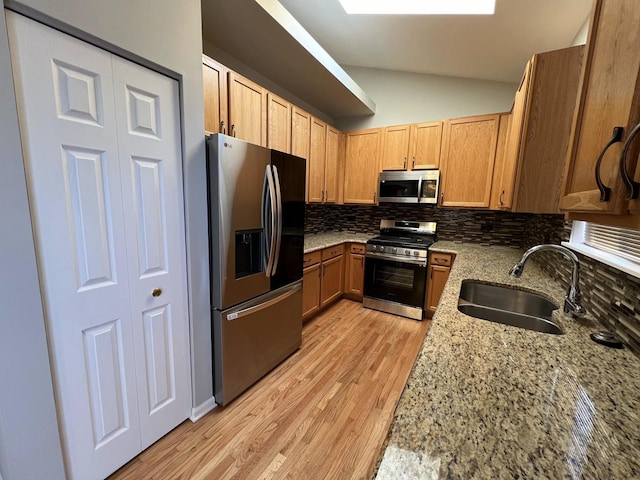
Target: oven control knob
<point>407,252</point>
<point>416,253</point>
<point>374,247</point>
<point>394,250</point>
<point>382,249</point>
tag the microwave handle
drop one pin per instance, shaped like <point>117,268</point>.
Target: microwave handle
<point>419,189</point>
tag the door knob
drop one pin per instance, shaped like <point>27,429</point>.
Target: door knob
<point>156,292</point>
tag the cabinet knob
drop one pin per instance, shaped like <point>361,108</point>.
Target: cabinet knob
<point>223,127</point>
<point>233,129</point>
<point>156,292</point>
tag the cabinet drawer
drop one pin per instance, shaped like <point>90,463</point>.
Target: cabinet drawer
<point>311,258</point>
<point>331,252</point>
<point>358,248</point>
<point>437,258</point>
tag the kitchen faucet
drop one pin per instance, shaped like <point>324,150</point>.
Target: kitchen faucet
<point>572,300</point>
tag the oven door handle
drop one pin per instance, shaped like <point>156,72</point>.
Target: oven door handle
<point>414,261</point>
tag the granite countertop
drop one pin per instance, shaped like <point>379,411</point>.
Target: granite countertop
<point>318,241</point>
<point>485,400</point>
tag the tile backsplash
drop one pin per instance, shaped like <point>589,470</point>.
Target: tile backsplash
<point>467,226</point>
<point>611,296</point>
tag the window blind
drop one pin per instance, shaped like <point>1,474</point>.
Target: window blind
<point>623,242</point>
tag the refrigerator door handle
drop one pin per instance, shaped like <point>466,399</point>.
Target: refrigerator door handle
<point>261,306</point>
<point>278,218</point>
<point>268,220</point>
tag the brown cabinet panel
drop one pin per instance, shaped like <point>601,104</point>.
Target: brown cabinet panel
<point>279,123</point>
<point>426,141</point>
<point>214,79</point>
<point>311,290</point>
<point>300,133</point>
<point>332,276</point>
<point>539,132</point>
<point>247,110</point>
<point>362,166</point>
<point>609,97</point>
<point>437,276</point>
<point>469,149</point>
<point>331,165</point>
<point>395,148</point>
<point>315,165</point>
<point>354,276</point>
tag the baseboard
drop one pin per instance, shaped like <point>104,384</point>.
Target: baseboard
<point>201,410</point>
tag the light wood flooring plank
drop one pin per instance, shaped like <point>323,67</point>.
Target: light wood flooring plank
<point>323,413</point>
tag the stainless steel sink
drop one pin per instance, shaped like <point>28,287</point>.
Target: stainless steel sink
<point>506,305</point>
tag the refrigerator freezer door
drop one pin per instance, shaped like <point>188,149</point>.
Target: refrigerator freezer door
<point>252,338</point>
<point>236,174</point>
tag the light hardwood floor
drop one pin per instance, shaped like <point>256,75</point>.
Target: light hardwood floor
<point>322,414</point>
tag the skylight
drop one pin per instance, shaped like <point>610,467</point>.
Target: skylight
<point>419,7</point>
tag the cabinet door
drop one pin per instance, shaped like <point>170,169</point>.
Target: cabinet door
<point>395,148</point>
<point>608,98</point>
<point>310,290</point>
<point>247,110</point>
<point>332,276</point>
<point>468,158</point>
<point>361,168</point>
<point>426,140</point>
<point>514,137</point>
<point>300,133</point>
<point>331,166</point>
<point>437,279</point>
<point>105,185</point>
<point>497,192</point>
<point>355,275</point>
<point>317,156</point>
<point>278,123</point>
<point>214,82</point>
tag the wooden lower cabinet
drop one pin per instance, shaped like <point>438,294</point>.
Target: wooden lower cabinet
<point>331,283</point>
<point>437,276</point>
<point>354,272</point>
<point>331,273</point>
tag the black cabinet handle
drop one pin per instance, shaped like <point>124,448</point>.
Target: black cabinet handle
<point>605,192</point>
<point>633,187</point>
<point>223,127</point>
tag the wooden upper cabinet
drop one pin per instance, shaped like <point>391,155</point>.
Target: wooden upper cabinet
<point>497,193</point>
<point>609,98</point>
<point>411,147</point>
<point>214,80</point>
<point>469,149</point>
<point>424,150</point>
<point>395,147</point>
<point>300,132</point>
<point>362,166</point>
<point>539,133</point>
<point>317,157</point>
<point>331,165</point>
<point>512,146</point>
<point>278,123</point>
<point>247,110</point>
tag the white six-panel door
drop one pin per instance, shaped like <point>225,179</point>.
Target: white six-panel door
<point>102,154</point>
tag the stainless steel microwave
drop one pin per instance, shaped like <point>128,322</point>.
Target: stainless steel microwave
<point>418,186</point>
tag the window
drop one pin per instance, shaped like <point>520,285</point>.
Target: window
<point>615,246</point>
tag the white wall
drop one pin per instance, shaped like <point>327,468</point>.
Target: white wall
<point>165,35</point>
<point>404,97</point>
<point>581,36</point>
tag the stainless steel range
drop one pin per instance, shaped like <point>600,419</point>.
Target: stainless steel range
<point>395,273</point>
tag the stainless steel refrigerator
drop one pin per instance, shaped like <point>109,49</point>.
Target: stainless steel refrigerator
<point>256,240</point>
